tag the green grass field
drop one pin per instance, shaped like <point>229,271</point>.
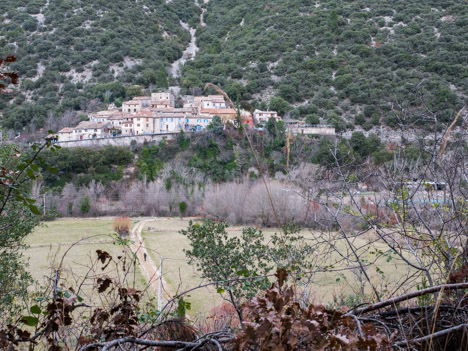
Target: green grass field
<point>51,240</point>
<point>161,237</point>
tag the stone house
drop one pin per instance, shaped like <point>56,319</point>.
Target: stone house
<point>131,106</point>
<point>127,127</point>
<point>226,114</point>
<point>264,116</point>
<point>102,116</point>
<point>196,122</point>
<point>143,122</point>
<point>169,122</point>
<point>145,101</point>
<point>65,134</point>
<point>247,118</point>
<point>210,102</point>
<point>91,130</point>
<point>162,100</point>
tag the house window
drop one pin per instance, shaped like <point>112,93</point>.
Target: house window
<point>147,126</point>
<point>138,125</point>
<point>147,119</point>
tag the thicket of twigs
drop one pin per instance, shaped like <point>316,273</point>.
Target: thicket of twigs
<point>68,318</point>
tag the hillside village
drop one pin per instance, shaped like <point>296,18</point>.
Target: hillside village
<point>158,114</point>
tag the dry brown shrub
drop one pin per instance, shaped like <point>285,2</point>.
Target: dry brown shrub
<point>277,322</point>
<point>221,317</point>
<point>121,225</point>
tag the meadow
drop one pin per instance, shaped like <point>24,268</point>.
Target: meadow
<point>73,241</point>
<point>161,237</point>
<point>338,285</point>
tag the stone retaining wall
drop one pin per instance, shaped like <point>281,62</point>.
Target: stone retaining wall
<point>118,140</point>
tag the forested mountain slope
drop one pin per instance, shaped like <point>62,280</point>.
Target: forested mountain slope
<point>70,52</point>
<point>351,60</point>
<point>340,62</point>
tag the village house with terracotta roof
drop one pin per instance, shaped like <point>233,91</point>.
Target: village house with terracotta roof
<point>210,101</point>
<point>85,130</point>
<point>157,114</point>
<point>226,114</point>
<point>263,116</point>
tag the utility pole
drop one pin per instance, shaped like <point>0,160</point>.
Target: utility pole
<point>44,205</point>
<point>160,284</point>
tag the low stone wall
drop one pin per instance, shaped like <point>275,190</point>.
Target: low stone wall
<point>313,130</point>
<point>118,140</point>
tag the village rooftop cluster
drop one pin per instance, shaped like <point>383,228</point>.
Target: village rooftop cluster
<point>157,114</point>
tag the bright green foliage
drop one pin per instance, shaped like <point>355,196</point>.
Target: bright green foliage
<point>85,206</point>
<point>312,119</point>
<point>182,208</point>
<point>168,184</point>
<point>274,141</point>
<point>279,105</point>
<point>210,158</point>
<point>327,153</point>
<point>182,140</point>
<point>354,151</point>
<point>224,259</point>
<point>359,144</point>
<point>148,164</point>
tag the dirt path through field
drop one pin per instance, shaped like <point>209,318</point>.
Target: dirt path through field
<point>148,267</point>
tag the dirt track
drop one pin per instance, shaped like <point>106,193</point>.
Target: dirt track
<point>148,267</point>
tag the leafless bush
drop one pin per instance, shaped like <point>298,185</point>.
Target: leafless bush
<point>226,201</point>
<point>121,226</point>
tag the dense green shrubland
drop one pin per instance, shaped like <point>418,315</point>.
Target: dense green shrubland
<point>114,44</point>
<point>345,58</point>
<point>351,62</point>
<point>82,165</point>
